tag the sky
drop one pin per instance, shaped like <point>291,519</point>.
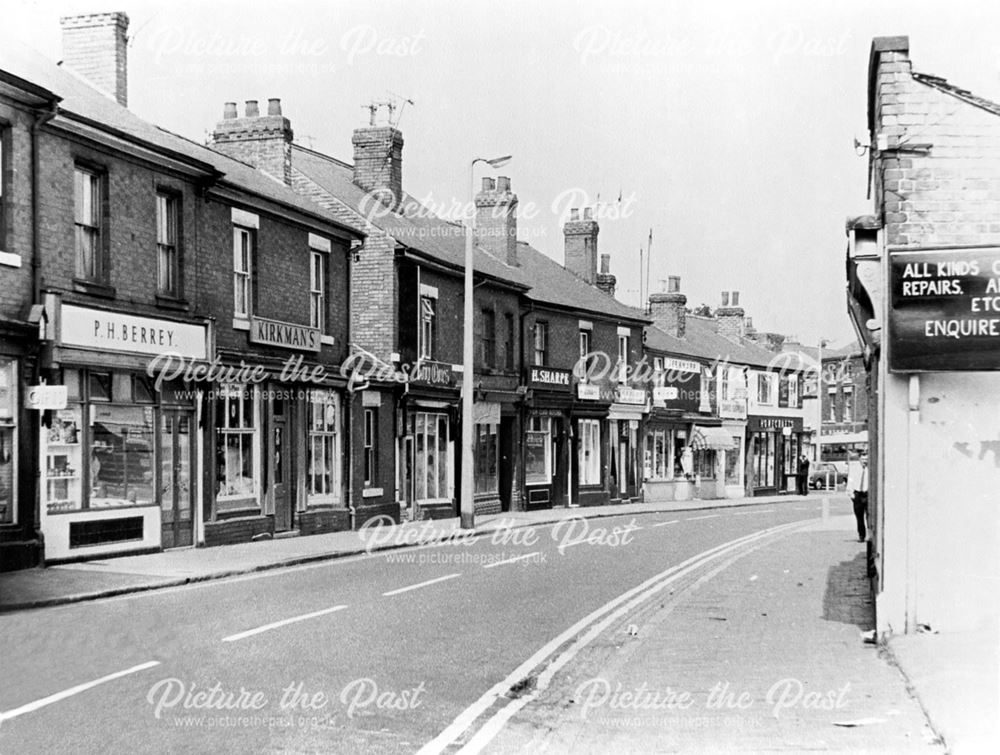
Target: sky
<point>724,131</point>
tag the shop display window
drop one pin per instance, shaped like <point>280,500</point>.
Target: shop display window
<point>8,441</point>
<point>431,463</point>
<point>487,453</point>
<point>324,448</point>
<point>538,450</point>
<point>237,448</point>
<point>590,451</point>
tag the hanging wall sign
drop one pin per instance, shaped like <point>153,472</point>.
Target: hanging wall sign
<point>944,312</point>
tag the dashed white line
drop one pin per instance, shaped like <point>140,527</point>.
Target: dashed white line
<point>764,511</point>
<point>283,622</point>
<point>33,706</point>
<point>664,524</point>
<point>421,584</point>
<point>512,560</point>
<point>707,516</point>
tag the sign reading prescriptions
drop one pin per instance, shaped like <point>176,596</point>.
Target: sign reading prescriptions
<point>944,310</point>
<point>118,331</point>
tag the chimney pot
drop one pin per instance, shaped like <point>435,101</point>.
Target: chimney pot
<point>588,213</point>
<point>252,110</point>
<point>574,214</point>
<point>229,110</point>
<point>673,284</point>
<point>503,183</point>
<point>488,184</point>
<point>725,298</point>
<point>736,298</point>
<point>605,263</point>
<point>274,106</point>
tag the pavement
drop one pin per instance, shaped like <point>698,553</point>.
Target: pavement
<point>765,653</point>
<point>107,577</point>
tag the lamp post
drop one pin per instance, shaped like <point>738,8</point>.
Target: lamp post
<point>467,518</point>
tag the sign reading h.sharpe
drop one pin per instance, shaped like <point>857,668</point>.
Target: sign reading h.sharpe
<point>117,331</point>
<point>945,310</point>
<point>550,378</point>
<point>284,334</point>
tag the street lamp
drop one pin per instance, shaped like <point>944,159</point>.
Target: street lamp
<point>467,517</point>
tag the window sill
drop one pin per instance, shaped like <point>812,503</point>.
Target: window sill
<point>94,288</point>
<point>10,259</point>
<point>240,323</point>
<point>172,302</point>
<point>326,340</point>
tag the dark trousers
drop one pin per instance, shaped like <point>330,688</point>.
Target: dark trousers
<point>802,483</point>
<point>860,512</point>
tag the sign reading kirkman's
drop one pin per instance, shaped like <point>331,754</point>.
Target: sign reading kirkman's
<point>284,334</point>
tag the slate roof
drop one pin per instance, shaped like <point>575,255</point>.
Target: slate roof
<point>83,102</point>
<point>955,91</point>
<point>420,231</point>
<point>702,341</point>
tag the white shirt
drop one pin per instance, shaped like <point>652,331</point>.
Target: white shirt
<point>857,477</point>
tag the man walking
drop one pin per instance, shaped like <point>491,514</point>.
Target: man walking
<point>857,486</point>
<point>802,475</point>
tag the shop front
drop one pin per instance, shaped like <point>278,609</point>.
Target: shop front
<point>547,443</point>
<point>119,452</point>
<point>668,463</point>
<point>774,445</point>
<point>589,454</point>
<point>625,417</point>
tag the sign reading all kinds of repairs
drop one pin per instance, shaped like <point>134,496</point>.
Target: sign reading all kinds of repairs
<point>945,310</point>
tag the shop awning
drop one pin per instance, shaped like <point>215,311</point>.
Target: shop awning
<point>711,438</point>
<point>858,437</point>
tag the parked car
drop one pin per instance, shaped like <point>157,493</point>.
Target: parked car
<point>824,475</point>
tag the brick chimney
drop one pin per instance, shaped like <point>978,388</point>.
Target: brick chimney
<point>730,316</point>
<point>496,219</point>
<point>378,162</point>
<point>263,141</point>
<point>95,47</point>
<point>581,244</point>
<point>666,307</point>
<point>605,280</point>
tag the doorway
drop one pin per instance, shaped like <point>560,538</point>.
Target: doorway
<point>176,480</point>
<point>280,457</point>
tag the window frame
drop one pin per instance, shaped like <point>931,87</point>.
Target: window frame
<point>94,228</point>
<point>370,447</point>
<point>488,337</point>
<point>10,425</point>
<point>540,426</point>
<point>243,278</point>
<point>622,357</point>
<point>169,247</point>
<point>540,343</point>
<point>589,452</point>
<point>428,327</point>
<point>329,440</point>
<point>317,289</point>
<point>227,393</point>
<point>510,334</point>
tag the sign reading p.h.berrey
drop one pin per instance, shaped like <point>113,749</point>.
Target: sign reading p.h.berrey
<point>119,331</point>
<point>944,310</point>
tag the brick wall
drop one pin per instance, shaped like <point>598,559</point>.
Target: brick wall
<point>496,219</point>
<point>378,161</point>
<point>580,237</point>
<point>948,196</point>
<point>264,141</point>
<point>16,292</point>
<point>96,47</point>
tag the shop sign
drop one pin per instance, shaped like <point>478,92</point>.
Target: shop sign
<point>775,424</point>
<point>42,397</point>
<point>432,373</point>
<point>485,413</point>
<point>733,408</point>
<point>588,392</point>
<point>944,312</point>
<point>549,377</point>
<point>285,335</point>
<point>117,331</point>
<point>628,395</point>
<point>680,365</point>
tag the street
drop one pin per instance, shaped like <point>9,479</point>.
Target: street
<point>430,647</point>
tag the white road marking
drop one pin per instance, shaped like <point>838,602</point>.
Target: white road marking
<point>664,524</point>
<point>604,615</point>
<point>707,516</point>
<point>511,560</point>
<point>422,584</point>
<point>30,707</point>
<point>764,511</point>
<point>283,622</point>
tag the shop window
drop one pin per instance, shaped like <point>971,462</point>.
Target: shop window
<point>487,459</point>
<point>763,446</point>
<point>704,463</point>
<point>167,250</point>
<point>538,451</point>
<point>121,456</point>
<point>431,463</point>
<point>324,448</point>
<point>100,386</point>
<point>237,447</point>
<point>428,326</point>
<point>590,451</point>
<point>8,442</point>
<point>371,447</point>
<point>541,344</point>
<point>658,466</point>
<point>143,389</point>
<point>243,253</point>
<point>88,220</point>
<point>317,289</point>
<point>734,461</point>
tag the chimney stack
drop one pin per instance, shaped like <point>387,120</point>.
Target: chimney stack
<point>606,282</point>
<point>730,316</point>
<point>263,141</point>
<point>666,308</point>
<point>95,47</point>
<point>378,162</point>
<point>496,219</point>
<point>581,245</point>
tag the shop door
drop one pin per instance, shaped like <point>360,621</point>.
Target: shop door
<point>280,456</point>
<point>176,480</point>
